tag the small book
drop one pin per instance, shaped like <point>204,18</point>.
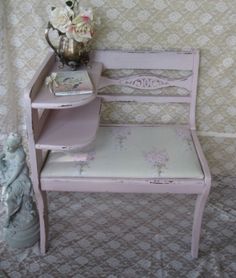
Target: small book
<point>70,83</point>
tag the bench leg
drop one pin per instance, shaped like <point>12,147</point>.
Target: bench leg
<point>41,198</point>
<point>197,222</point>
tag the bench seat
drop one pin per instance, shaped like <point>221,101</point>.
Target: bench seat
<point>131,152</point>
<point>136,158</point>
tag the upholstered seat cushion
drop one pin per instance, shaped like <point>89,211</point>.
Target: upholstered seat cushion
<point>131,152</point>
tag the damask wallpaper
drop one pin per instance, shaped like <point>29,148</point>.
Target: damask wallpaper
<point>133,24</point>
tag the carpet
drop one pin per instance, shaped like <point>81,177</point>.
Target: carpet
<point>130,235</point>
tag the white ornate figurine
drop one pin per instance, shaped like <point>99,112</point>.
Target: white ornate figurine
<point>21,227</point>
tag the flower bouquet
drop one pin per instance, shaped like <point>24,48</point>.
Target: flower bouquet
<point>75,27</point>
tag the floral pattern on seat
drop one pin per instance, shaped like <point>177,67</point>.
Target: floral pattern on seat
<point>157,159</point>
<point>82,165</point>
<point>121,135</point>
<point>185,135</point>
<point>132,152</point>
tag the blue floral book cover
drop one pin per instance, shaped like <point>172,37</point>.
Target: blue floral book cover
<point>68,83</point>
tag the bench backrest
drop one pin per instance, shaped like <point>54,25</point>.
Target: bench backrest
<point>163,60</point>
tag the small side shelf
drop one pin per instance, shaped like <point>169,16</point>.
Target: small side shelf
<point>44,100</point>
<point>70,129</point>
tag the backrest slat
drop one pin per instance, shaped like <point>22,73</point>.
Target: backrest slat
<point>162,60</point>
<point>145,99</point>
<point>168,60</point>
<point>147,82</point>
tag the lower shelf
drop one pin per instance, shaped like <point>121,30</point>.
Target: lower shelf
<point>70,129</point>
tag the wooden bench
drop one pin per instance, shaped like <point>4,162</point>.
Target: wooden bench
<point>127,157</point>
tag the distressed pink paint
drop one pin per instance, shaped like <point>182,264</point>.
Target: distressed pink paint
<point>41,138</point>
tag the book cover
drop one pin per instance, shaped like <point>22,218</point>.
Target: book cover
<point>68,83</point>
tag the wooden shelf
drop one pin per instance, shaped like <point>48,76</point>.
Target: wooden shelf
<point>70,129</point>
<point>44,100</point>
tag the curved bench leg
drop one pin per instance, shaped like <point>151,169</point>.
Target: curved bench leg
<point>41,198</point>
<point>197,222</point>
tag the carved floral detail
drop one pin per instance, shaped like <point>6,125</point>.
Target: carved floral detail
<point>145,82</point>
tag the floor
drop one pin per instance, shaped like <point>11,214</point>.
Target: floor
<point>132,235</point>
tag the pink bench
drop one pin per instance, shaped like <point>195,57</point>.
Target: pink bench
<point>144,158</point>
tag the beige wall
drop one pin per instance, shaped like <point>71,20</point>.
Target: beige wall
<point>130,24</point>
